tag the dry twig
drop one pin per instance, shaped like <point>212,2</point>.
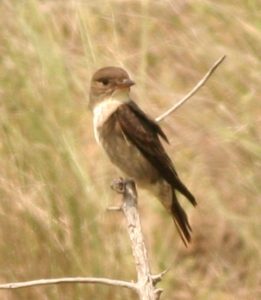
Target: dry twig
<point>90,280</point>
<point>193,91</point>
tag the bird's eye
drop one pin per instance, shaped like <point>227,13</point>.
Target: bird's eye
<point>104,81</point>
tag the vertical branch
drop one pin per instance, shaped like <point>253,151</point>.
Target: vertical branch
<point>139,250</point>
<point>145,284</point>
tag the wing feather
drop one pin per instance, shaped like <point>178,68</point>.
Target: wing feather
<point>144,133</point>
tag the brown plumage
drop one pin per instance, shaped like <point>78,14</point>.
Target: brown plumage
<point>131,139</point>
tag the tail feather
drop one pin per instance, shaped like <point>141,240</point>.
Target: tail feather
<point>167,196</point>
<point>184,191</point>
<point>180,219</point>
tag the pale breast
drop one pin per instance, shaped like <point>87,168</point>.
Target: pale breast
<point>101,113</point>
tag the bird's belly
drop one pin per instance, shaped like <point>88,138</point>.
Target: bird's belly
<point>128,158</point>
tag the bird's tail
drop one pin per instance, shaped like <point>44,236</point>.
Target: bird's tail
<point>180,219</point>
<point>167,196</point>
<point>184,191</point>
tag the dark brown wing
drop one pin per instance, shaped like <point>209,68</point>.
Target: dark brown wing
<point>150,122</point>
<point>144,133</point>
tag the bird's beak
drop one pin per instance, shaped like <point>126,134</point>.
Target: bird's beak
<point>126,83</point>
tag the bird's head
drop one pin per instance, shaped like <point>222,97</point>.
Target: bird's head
<point>108,82</point>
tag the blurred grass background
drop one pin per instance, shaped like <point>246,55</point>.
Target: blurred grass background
<point>54,180</point>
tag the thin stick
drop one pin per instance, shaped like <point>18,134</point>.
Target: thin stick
<point>88,280</point>
<point>193,91</point>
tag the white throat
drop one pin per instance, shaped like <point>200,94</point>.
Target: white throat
<point>104,109</point>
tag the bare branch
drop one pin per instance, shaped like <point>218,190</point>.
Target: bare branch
<point>193,91</point>
<point>145,284</point>
<point>88,280</point>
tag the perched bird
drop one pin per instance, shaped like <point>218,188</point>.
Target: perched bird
<point>132,142</point>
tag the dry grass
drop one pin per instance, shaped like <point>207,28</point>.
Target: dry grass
<point>54,180</point>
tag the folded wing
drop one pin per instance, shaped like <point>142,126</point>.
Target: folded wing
<point>144,133</point>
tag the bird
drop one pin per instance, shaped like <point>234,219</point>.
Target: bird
<point>133,141</point>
